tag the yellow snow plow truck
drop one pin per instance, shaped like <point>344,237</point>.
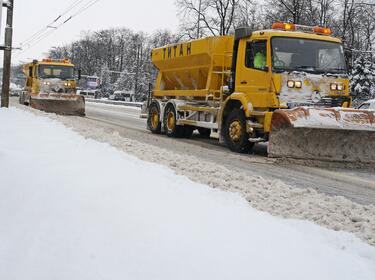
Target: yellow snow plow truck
<point>52,87</point>
<point>288,85</point>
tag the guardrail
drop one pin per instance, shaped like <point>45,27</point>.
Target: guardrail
<point>114,102</point>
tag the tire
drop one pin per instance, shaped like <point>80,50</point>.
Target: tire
<point>153,119</point>
<point>236,137</point>
<point>28,102</point>
<point>204,132</point>
<point>170,120</point>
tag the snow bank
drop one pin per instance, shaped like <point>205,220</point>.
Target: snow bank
<point>273,196</point>
<point>72,208</point>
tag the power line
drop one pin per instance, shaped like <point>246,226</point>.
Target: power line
<point>88,5</point>
<point>29,40</point>
<point>47,31</point>
<point>72,6</point>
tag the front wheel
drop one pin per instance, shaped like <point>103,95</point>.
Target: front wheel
<point>236,136</point>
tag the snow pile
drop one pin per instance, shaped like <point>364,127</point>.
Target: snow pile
<point>76,209</point>
<point>14,86</point>
<point>334,118</point>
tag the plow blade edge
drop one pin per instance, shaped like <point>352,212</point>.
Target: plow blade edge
<point>333,134</point>
<point>62,105</point>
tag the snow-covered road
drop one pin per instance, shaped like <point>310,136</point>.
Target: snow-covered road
<point>73,208</point>
<point>357,185</point>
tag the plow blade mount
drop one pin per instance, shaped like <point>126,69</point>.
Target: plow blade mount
<point>61,104</point>
<point>332,134</point>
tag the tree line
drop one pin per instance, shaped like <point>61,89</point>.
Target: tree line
<point>123,50</point>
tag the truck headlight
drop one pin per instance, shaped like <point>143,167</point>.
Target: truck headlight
<point>340,87</point>
<point>337,87</point>
<point>294,84</point>
<point>298,84</point>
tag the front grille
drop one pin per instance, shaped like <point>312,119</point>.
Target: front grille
<point>325,102</point>
<point>336,101</point>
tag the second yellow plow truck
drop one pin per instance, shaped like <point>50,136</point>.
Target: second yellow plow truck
<point>288,85</point>
<point>52,87</point>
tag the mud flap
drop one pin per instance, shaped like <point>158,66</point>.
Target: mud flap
<point>62,104</point>
<point>333,134</point>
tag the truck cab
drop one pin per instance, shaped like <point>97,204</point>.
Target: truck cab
<point>284,68</point>
<point>50,76</point>
<point>51,86</point>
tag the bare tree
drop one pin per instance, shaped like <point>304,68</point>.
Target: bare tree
<point>288,10</point>
<point>248,13</point>
<point>215,17</point>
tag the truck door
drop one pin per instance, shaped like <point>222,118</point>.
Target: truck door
<point>252,73</point>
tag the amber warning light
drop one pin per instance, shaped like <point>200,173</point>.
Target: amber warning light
<point>322,30</point>
<point>284,26</point>
<point>294,27</point>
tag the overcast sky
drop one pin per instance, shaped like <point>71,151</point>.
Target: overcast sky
<point>139,15</point>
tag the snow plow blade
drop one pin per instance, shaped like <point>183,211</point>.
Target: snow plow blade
<point>62,104</point>
<point>332,134</point>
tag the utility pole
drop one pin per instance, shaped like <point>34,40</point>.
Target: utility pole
<point>7,53</point>
<point>139,54</point>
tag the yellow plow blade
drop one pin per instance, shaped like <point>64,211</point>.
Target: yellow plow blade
<point>62,104</point>
<point>333,134</point>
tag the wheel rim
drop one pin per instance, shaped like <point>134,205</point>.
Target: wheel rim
<point>154,118</point>
<point>170,121</point>
<point>235,130</point>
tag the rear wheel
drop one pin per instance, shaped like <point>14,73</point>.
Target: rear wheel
<point>236,136</point>
<point>170,123</point>
<point>153,120</point>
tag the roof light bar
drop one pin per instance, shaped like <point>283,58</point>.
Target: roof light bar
<point>294,27</point>
<point>67,61</point>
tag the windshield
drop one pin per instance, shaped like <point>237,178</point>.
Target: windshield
<point>314,56</point>
<point>55,71</point>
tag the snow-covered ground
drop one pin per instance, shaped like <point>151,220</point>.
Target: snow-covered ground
<point>135,108</point>
<point>73,208</point>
